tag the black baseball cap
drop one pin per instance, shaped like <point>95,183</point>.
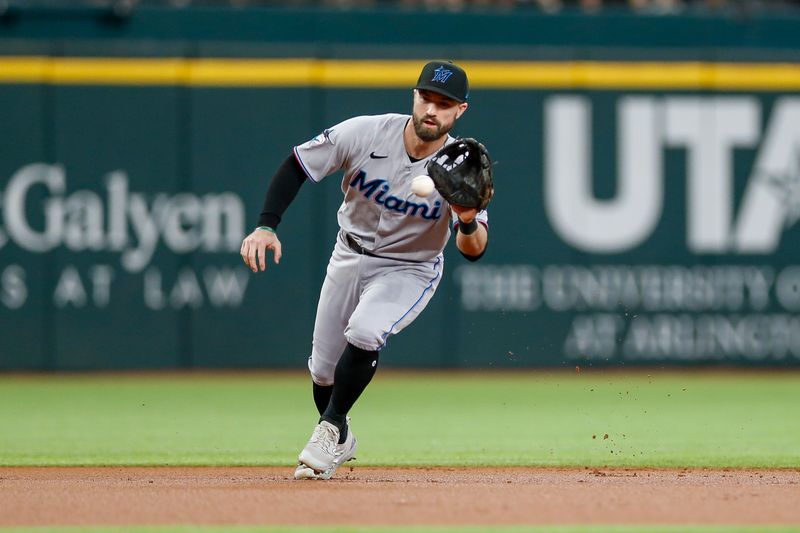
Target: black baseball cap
<point>445,78</point>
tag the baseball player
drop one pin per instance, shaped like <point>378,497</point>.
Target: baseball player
<point>387,261</point>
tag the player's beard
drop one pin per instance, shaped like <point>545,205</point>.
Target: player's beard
<point>427,134</point>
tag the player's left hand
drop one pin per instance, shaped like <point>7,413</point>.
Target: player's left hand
<point>465,214</point>
<point>462,173</point>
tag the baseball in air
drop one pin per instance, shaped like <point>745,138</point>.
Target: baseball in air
<point>422,185</point>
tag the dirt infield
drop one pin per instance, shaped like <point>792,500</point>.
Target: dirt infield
<point>373,496</point>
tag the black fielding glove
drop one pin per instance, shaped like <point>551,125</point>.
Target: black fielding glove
<point>462,173</point>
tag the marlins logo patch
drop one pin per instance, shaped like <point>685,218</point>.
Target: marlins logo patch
<point>325,136</point>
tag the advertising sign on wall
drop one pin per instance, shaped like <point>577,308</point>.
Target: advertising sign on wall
<point>633,224</point>
<point>678,236</point>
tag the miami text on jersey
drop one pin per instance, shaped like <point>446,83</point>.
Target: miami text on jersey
<point>380,187</point>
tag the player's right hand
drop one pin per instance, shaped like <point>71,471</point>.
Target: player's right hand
<point>255,246</point>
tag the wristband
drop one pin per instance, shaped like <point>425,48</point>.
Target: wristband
<point>468,228</point>
<point>267,228</point>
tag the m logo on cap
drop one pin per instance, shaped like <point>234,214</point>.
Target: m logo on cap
<point>444,78</point>
<point>441,74</point>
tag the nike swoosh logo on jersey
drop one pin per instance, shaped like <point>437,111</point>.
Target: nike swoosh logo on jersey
<point>373,156</point>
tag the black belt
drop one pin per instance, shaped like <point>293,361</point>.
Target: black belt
<point>357,248</point>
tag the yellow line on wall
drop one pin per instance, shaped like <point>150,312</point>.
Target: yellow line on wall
<point>305,72</point>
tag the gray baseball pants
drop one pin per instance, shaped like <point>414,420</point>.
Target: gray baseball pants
<point>364,300</point>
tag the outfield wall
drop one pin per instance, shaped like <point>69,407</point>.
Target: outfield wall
<point>647,186</point>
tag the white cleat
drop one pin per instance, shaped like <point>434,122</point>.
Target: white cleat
<point>304,472</point>
<point>323,454</point>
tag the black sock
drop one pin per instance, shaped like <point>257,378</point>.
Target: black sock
<point>352,375</point>
<point>322,396</point>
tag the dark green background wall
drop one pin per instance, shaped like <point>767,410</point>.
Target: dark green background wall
<point>183,145</point>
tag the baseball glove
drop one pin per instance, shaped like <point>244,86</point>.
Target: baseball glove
<point>462,173</point>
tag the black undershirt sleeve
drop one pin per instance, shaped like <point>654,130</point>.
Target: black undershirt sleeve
<point>284,186</point>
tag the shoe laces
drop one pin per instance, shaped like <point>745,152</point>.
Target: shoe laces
<point>326,438</point>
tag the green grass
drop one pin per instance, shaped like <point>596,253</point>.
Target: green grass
<point>411,529</point>
<point>663,419</point>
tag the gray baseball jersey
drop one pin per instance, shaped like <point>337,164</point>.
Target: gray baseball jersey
<point>366,298</point>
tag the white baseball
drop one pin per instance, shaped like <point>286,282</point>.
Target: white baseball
<point>422,185</point>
